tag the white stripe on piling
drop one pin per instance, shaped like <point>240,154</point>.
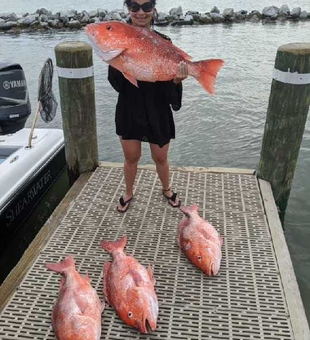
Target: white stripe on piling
<point>75,73</point>
<point>294,78</point>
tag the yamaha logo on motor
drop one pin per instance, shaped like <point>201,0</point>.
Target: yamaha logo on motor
<point>14,83</point>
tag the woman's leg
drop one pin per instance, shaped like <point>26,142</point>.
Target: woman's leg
<point>160,157</point>
<point>132,154</point>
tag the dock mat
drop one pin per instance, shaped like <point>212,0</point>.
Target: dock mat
<point>245,301</point>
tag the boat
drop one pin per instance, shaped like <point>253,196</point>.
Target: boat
<point>26,174</point>
<point>31,160</point>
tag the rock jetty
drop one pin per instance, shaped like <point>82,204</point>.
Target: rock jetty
<point>72,19</point>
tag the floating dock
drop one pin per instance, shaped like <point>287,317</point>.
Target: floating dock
<point>254,296</point>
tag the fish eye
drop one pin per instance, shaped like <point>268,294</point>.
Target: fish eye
<point>129,314</point>
<point>198,257</point>
<point>109,28</point>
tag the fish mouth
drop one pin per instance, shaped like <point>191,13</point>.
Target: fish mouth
<point>215,263</point>
<point>89,30</point>
<point>90,35</point>
<point>147,326</point>
<point>213,269</point>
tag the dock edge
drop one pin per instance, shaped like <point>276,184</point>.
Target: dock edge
<point>290,286</point>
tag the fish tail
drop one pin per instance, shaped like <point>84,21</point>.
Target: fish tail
<point>205,72</point>
<point>62,266</point>
<point>111,246</point>
<point>194,207</point>
<point>190,209</point>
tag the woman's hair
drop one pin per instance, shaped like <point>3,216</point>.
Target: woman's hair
<point>155,15</point>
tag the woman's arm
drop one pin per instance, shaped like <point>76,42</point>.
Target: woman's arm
<point>182,72</point>
<point>175,95</point>
<point>177,88</point>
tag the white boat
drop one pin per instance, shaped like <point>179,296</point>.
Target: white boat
<point>26,174</point>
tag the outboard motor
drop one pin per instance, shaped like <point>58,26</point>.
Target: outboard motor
<point>14,98</point>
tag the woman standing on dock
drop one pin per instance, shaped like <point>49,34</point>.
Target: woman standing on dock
<point>144,113</point>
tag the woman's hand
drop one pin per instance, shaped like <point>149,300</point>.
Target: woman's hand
<point>182,72</point>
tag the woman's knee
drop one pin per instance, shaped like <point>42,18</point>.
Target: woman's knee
<point>159,155</point>
<point>132,151</point>
<point>160,159</point>
<point>132,159</point>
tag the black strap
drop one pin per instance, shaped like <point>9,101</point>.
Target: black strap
<point>122,202</point>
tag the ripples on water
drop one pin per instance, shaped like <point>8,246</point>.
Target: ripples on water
<point>223,130</point>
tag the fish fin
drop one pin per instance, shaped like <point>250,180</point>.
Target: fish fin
<point>178,241</point>
<point>188,210</point>
<point>149,270</point>
<point>221,239</point>
<point>106,268</point>
<point>63,266</point>
<point>110,246</point>
<point>136,277</point>
<point>194,207</point>
<point>186,246</point>
<point>86,277</point>
<point>182,224</point>
<point>205,234</point>
<point>102,305</point>
<point>61,283</point>
<point>109,55</point>
<point>205,72</point>
<point>130,78</point>
<point>81,303</point>
<point>183,54</point>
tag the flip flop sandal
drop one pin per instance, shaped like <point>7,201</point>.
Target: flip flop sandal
<point>123,204</point>
<point>172,198</point>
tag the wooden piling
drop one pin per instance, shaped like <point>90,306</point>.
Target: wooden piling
<point>286,118</point>
<point>77,98</point>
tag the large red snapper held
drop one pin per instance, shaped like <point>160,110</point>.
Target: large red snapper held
<point>77,312</point>
<point>141,54</point>
<point>129,288</point>
<point>200,241</point>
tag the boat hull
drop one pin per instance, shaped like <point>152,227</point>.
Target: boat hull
<point>19,206</point>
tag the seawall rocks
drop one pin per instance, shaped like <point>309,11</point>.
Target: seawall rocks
<point>72,19</point>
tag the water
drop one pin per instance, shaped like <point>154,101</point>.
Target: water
<point>225,130</point>
<point>22,6</point>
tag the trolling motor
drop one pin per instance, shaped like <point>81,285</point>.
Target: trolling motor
<point>15,105</point>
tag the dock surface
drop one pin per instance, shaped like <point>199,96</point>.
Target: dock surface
<point>254,296</point>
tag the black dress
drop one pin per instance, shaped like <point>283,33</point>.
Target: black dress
<point>144,113</point>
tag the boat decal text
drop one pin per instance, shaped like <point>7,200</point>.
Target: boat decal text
<point>35,189</point>
<point>14,83</point>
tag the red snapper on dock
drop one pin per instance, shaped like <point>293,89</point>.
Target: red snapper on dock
<point>129,288</point>
<point>200,241</point>
<point>142,54</point>
<point>77,312</point>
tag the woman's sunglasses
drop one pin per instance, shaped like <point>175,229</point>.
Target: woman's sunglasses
<point>146,7</point>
